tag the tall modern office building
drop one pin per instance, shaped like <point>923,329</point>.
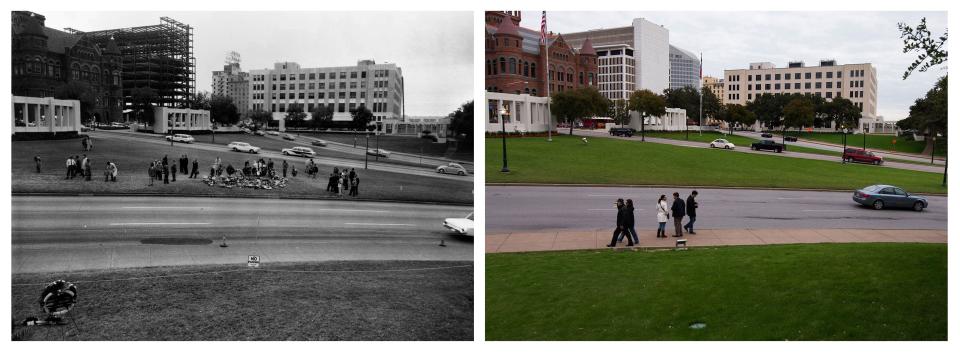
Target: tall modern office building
<point>616,66</point>
<point>684,69</point>
<point>856,82</point>
<point>379,87</point>
<point>650,44</point>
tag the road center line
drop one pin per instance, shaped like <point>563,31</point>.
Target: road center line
<point>375,224</point>
<point>157,223</point>
<point>828,211</point>
<point>161,207</point>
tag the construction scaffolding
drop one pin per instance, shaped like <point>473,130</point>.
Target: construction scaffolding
<point>159,57</point>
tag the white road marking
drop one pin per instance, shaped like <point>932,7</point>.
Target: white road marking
<point>157,223</point>
<point>160,207</point>
<point>375,224</point>
<point>829,211</point>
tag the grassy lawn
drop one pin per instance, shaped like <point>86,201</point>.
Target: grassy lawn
<point>404,144</point>
<point>783,292</point>
<point>259,305</point>
<point>874,141</point>
<point>133,159</point>
<point>739,141</point>
<point>614,161</point>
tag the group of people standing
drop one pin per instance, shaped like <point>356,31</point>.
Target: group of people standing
<point>82,167</point>
<point>341,180</point>
<point>678,210</point>
<point>164,170</point>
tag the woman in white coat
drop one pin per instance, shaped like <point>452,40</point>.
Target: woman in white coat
<point>663,214</point>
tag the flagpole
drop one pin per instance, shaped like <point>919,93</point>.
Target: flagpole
<point>546,49</point>
<point>701,95</point>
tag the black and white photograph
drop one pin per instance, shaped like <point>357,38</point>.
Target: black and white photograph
<point>242,176</point>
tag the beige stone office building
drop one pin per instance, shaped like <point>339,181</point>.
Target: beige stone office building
<point>856,82</point>
<point>715,86</point>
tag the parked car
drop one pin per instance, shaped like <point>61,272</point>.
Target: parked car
<point>244,147</point>
<point>881,196</point>
<point>180,138</point>
<point>722,144</point>
<point>246,131</point>
<point>768,144</point>
<point>790,138</point>
<point>452,168</point>
<point>861,155</point>
<point>273,132</point>
<point>378,152</point>
<point>766,135</point>
<point>288,137</point>
<point>463,226</point>
<point>318,142</point>
<point>627,132</point>
<point>299,151</point>
<point>259,132</point>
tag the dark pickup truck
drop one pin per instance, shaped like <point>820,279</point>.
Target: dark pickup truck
<point>627,132</point>
<point>768,145</point>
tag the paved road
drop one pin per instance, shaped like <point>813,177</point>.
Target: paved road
<point>360,151</point>
<point>830,147</point>
<point>740,149</point>
<point>532,208</point>
<point>74,233</point>
<point>276,155</point>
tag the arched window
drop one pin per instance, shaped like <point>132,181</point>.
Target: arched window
<point>513,65</point>
<point>526,69</point>
<point>116,78</point>
<point>533,70</point>
<point>106,76</point>
<point>581,77</point>
<point>95,73</point>
<point>569,75</point>
<point>75,71</point>
<point>503,65</point>
<point>488,67</point>
<point>559,74</point>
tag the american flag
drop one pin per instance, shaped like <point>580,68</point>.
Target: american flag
<point>543,29</point>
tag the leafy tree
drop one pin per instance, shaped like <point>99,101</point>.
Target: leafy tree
<point>797,113</point>
<point>295,116</point>
<point>223,111</point>
<point>200,100</point>
<point>619,111</point>
<point>80,91</point>
<point>929,114</point>
<point>461,123</point>
<point>260,117</point>
<point>361,117</point>
<point>843,113</point>
<point>572,105</point>
<point>768,108</point>
<point>647,104</point>
<point>689,98</point>
<point>918,39</point>
<point>142,99</point>
<point>321,116</point>
<point>735,114</point>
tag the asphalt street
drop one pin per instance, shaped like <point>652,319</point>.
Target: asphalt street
<point>360,151</point>
<point>746,149</point>
<point>76,233</point>
<point>852,141</point>
<point>531,208</point>
<point>221,148</point>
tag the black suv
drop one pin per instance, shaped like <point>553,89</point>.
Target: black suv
<point>628,132</point>
<point>768,145</point>
<point>790,138</point>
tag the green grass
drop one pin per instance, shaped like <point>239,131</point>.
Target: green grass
<point>405,144</point>
<point>259,305</point>
<point>615,161</point>
<point>782,292</point>
<point>874,141</point>
<point>133,159</point>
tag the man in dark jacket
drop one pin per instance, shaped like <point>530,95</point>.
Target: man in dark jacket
<point>691,212</point>
<point>621,225</point>
<point>677,211</point>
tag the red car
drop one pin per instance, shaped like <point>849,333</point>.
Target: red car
<point>861,155</point>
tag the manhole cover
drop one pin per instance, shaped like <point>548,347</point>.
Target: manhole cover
<point>175,241</point>
<point>698,325</point>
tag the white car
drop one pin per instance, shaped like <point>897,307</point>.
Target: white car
<point>299,151</point>
<point>722,144</point>
<point>463,226</point>
<point>318,142</point>
<point>452,168</point>
<point>180,138</point>
<point>273,132</point>
<point>378,152</point>
<point>242,146</point>
<point>288,137</point>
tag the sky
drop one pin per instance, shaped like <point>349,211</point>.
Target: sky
<point>733,40</point>
<point>433,49</point>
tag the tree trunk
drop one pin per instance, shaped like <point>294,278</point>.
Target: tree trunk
<point>571,128</point>
<point>928,149</point>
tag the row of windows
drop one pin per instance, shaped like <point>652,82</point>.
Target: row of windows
<point>311,95</point>
<point>321,76</point>
<point>512,66</point>
<point>796,85</point>
<point>828,94</point>
<point>526,90</point>
<point>52,69</point>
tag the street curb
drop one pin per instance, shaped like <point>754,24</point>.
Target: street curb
<point>181,195</point>
<point>674,186</point>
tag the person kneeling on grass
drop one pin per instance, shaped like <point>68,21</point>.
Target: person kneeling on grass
<point>110,174</point>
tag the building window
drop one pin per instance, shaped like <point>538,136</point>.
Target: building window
<point>513,66</point>
<point>503,65</point>
<point>526,69</point>
<point>353,74</point>
<point>533,70</point>
<point>806,76</point>
<point>767,77</point>
<point>829,76</point>
<point>819,75</point>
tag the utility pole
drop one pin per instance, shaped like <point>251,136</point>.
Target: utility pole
<point>503,136</point>
<point>366,153</point>
<point>701,97</point>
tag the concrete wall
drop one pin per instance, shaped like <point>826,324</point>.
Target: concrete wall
<point>44,115</point>
<point>167,119</point>
<point>523,113</point>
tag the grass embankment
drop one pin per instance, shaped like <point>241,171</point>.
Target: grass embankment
<point>259,305</point>
<point>405,144</point>
<point>783,292</point>
<point>615,161</point>
<point>874,141</point>
<point>133,158</point>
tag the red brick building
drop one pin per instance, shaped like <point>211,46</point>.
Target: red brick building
<point>515,63</point>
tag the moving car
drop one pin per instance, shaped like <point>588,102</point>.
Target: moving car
<point>790,138</point>
<point>463,226</point>
<point>299,151</point>
<point>318,142</point>
<point>881,196</point>
<point>766,135</point>
<point>244,147</point>
<point>722,144</point>
<point>273,132</point>
<point>246,131</point>
<point>452,168</point>
<point>627,132</point>
<point>378,152</point>
<point>861,155</point>
<point>288,137</point>
<point>768,144</point>
<point>180,138</point>
<point>259,132</point>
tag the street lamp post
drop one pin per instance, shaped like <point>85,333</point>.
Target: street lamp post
<point>503,137</point>
<point>366,156</point>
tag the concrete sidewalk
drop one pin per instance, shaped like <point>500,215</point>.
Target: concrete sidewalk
<point>599,238</point>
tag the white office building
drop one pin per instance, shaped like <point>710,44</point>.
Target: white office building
<point>650,44</point>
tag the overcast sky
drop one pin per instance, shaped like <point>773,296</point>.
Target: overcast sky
<point>732,40</point>
<point>434,49</point>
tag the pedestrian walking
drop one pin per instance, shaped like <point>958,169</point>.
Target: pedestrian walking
<point>152,172</point>
<point>691,212</point>
<point>196,169</point>
<point>69,168</point>
<point>339,186</point>
<point>87,166</point>
<point>678,210</point>
<point>173,173</point>
<point>355,187</point>
<point>630,230</point>
<point>83,143</point>
<point>36,161</point>
<point>663,214</point>
<point>621,219</point>
<point>165,171</point>
<point>89,143</point>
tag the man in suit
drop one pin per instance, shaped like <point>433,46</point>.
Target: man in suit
<point>621,225</point>
<point>691,212</point>
<point>678,210</point>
